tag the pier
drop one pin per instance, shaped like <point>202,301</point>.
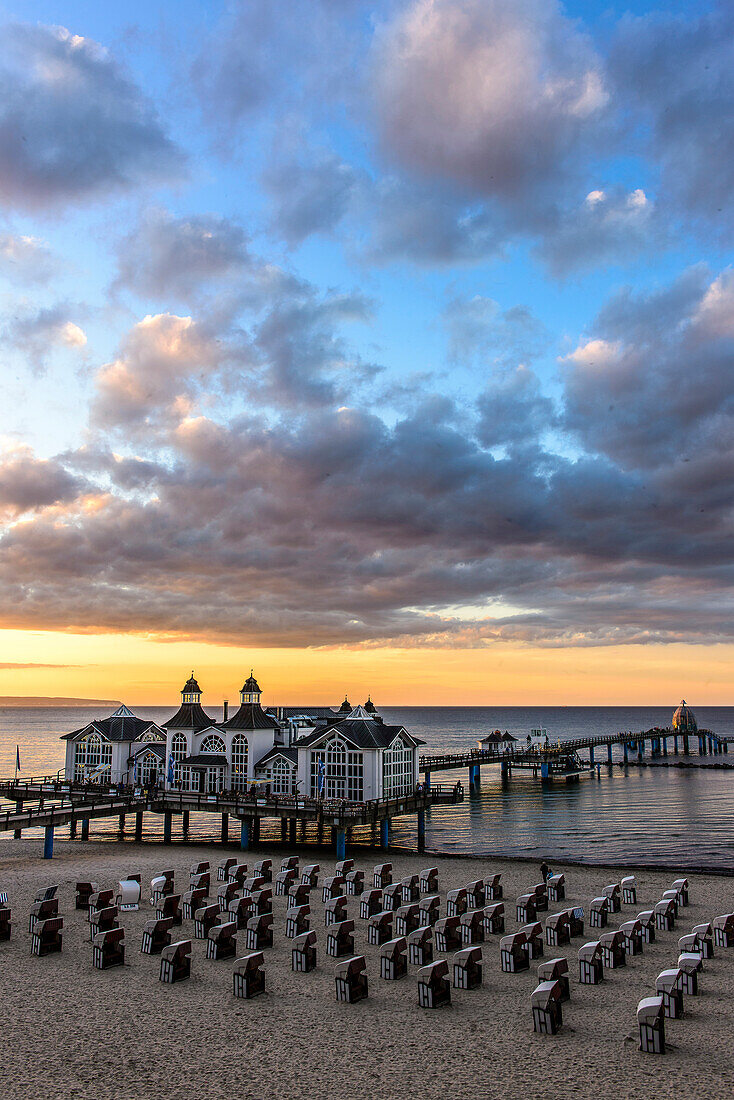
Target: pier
<point>57,803</point>
<point>561,761</point>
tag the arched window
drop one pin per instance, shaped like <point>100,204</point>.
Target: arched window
<point>343,771</point>
<point>92,758</point>
<point>151,735</point>
<point>397,770</point>
<point>179,752</point>
<point>212,743</point>
<point>149,767</point>
<point>281,777</point>
<point>240,751</point>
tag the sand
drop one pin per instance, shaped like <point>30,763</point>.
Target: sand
<point>70,1030</point>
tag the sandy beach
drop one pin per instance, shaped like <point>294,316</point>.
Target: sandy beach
<point>70,1030</point>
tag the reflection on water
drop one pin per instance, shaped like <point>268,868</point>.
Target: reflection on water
<point>647,815</point>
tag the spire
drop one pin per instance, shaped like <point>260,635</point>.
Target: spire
<point>250,691</point>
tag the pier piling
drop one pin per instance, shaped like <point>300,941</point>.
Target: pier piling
<point>19,809</point>
<point>385,833</point>
<point>72,829</point>
<point>138,827</point>
<point>185,824</point>
<point>421,830</point>
<point>609,754</point>
<point>85,828</point>
<point>48,842</point>
<point>244,834</point>
<point>341,844</point>
<point>292,823</point>
<point>122,826</point>
<point>225,828</point>
<point>284,829</point>
<point>167,826</point>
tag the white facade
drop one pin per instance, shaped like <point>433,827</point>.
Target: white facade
<point>105,751</point>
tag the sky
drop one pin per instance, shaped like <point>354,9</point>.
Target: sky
<point>380,346</point>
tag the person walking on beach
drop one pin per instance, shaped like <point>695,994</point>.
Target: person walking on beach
<point>544,871</point>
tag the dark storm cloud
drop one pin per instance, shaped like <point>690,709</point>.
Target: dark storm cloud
<point>73,125</point>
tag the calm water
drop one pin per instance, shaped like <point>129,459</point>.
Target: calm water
<point>647,815</point>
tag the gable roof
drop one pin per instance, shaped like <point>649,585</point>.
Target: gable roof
<point>290,754</point>
<point>189,716</point>
<point>123,725</point>
<point>363,733</point>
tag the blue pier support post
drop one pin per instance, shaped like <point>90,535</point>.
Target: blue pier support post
<point>244,834</point>
<point>701,747</point>
<point>385,833</point>
<point>591,756</point>
<point>640,749</point>
<point>18,809</point>
<point>185,824</point>
<point>427,781</point>
<point>545,772</point>
<point>225,828</point>
<point>292,824</point>
<point>665,746</point>
<point>625,749</point>
<point>85,828</point>
<point>122,826</point>
<point>421,830</point>
<point>711,745</point>
<point>167,826</point>
<point>609,754</point>
<point>474,777</point>
<point>675,743</point>
<point>686,749</point>
<point>72,829</point>
<point>505,771</point>
<point>284,829</point>
<point>48,843</point>
<point>341,844</point>
<point>138,826</point>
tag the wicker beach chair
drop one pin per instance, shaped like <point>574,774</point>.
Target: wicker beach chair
<point>102,920</point>
<point>668,985</point>
<point>392,896</point>
<point>447,934</point>
<point>407,919</point>
<point>350,977</point>
<point>175,962</point>
<point>333,887</point>
<point>591,963</point>
<point>525,908</point>
<point>299,894</point>
<point>42,910</point>
<point>303,955</point>
<point>420,946</point>
<point>632,932</point>
<point>556,970</point>
<point>434,987</point>
<point>84,891</point>
<point>47,936</point>
<point>651,1021</point>
<point>192,900</point>
<point>613,950</point>
<point>310,875</point>
<point>428,880</point>
<point>471,927</point>
<point>343,867</point>
<point>221,942</point>
<point>108,949</point>
<point>429,909</point>
<point>598,912</point>
<point>690,965</point>
<point>379,928</point>
<point>556,885</point>
<point>409,889</point>
<point>297,921</point>
<point>264,868</point>
<point>514,953</point>
<point>558,929</point>
<point>545,1001</point>
<point>156,936</point>
<point>262,901</point>
<point>240,911</point>
<point>370,904</point>
<point>457,902</point>
<point>355,883</point>
<point>223,869</point>
<point>340,939</point>
<point>467,968</point>
<point>284,881</point>
<point>493,887</point>
<point>629,890</point>
<point>382,875</point>
<point>335,911</point>
<point>170,906</point>
<point>205,918</point>
<point>259,932</point>
<point>248,976</point>
<point>723,929</point>
<point>394,959</point>
<point>494,919</point>
<point>290,863</point>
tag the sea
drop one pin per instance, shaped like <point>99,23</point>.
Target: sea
<point>680,817</point>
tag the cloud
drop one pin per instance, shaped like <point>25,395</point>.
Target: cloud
<point>495,96</point>
<point>36,334</point>
<point>480,330</point>
<point>163,361</point>
<point>26,259</point>
<point>28,483</point>
<point>310,192</point>
<point>167,257</point>
<point>653,384</point>
<point>609,227</point>
<point>73,125</point>
<point>674,75</point>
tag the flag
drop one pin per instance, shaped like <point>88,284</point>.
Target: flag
<point>17,757</point>
<point>170,768</point>
<point>322,773</point>
<point>135,771</point>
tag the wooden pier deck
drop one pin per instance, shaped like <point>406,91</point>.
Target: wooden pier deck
<point>58,803</point>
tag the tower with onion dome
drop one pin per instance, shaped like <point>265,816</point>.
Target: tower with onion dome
<point>182,727</point>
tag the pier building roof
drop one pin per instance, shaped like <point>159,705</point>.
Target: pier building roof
<point>362,730</point>
<point>250,716</point>
<point>288,753</point>
<point>123,725</point>
<point>190,715</point>
<point>684,720</point>
<point>207,760</point>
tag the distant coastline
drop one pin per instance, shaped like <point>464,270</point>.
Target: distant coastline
<point>54,701</point>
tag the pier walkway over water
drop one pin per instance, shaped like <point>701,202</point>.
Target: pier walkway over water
<point>561,760</point>
<point>62,803</point>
